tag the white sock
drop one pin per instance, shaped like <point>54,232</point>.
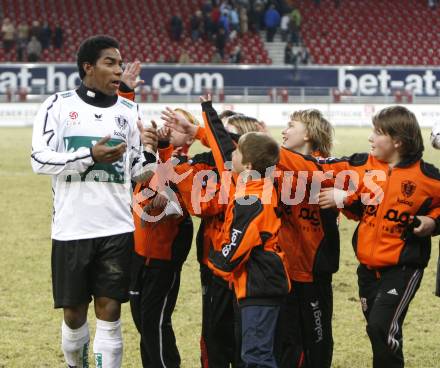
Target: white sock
<point>75,345</point>
<point>107,345</point>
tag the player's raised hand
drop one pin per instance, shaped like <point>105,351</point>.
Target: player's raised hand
<point>178,122</point>
<point>163,134</point>
<point>206,98</point>
<point>107,154</point>
<point>148,135</point>
<point>131,74</point>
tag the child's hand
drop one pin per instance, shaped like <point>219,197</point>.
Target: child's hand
<point>331,198</point>
<point>178,122</point>
<point>163,134</point>
<point>159,202</point>
<point>426,227</point>
<point>206,98</point>
<point>148,135</point>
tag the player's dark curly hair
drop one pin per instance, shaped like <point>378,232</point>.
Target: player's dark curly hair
<point>90,51</point>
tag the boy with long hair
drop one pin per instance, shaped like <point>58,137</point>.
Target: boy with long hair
<point>396,221</point>
<point>310,239</point>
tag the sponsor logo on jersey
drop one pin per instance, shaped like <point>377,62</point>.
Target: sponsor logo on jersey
<point>317,314</point>
<point>402,218</point>
<point>100,171</point>
<point>98,117</point>
<point>72,120</point>
<point>227,248</point>
<point>73,115</point>
<point>404,201</point>
<point>119,134</point>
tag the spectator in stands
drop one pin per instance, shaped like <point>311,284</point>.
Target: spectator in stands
<point>215,16</point>
<point>22,40</point>
<point>209,28</point>
<point>224,6</point>
<point>58,37</point>
<point>45,36</point>
<point>234,19</point>
<point>271,22</point>
<point>34,49</point>
<point>220,42</point>
<point>184,57</point>
<point>35,30</point>
<point>235,57</point>
<point>216,58</point>
<point>304,56</point>
<point>207,7</point>
<point>432,4</point>
<point>256,16</point>
<point>295,26</point>
<point>285,20</point>
<point>176,27</point>
<point>224,21</point>
<point>288,53</point>
<point>243,19</point>
<point>21,49</point>
<point>196,25</point>
<point>23,32</point>
<point>8,34</point>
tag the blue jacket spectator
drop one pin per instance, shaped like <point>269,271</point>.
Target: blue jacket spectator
<point>271,20</point>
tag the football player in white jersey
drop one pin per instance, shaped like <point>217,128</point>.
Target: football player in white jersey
<point>93,144</point>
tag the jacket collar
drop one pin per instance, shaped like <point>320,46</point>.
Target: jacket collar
<point>94,97</point>
<point>408,161</point>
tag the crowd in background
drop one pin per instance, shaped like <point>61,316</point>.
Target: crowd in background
<point>224,21</point>
<point>29,41</point>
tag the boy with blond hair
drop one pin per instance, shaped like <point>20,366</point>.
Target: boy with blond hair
<point>310,239</point>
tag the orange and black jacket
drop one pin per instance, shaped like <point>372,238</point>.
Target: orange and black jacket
<point>168,240</point>
<point>198,181</point>
<point>309,235</point>
<point>247,254</point>
<point>384,235</point>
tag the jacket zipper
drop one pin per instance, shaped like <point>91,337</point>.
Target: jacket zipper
<point>379,214</point>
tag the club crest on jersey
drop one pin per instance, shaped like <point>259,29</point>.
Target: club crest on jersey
<point>408,188</point>
<point>121,122</point>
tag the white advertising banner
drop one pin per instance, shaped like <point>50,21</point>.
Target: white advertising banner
<point>275,115</point>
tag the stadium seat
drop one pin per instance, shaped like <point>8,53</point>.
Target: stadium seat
<point>350,32</point>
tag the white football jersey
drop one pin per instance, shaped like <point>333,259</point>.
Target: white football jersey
<point>90,199</point>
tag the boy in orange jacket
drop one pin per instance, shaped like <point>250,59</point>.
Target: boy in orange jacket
<point>247,255</point>
<point>396,221</point>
